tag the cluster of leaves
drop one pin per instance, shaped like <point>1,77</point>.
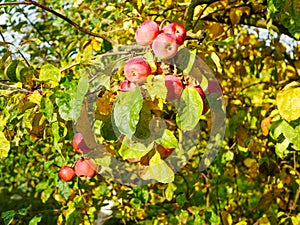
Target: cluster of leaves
<point>254,179</point>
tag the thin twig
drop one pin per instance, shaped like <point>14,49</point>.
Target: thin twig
<point>15,3</point>
<point>29,2</point>
<point>69,67</point>
<point>72,23</point>
<point>15,88</point>
<point>38,31</point>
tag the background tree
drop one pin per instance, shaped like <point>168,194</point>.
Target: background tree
<point>253,49</point>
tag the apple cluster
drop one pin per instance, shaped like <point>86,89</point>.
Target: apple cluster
<point>84,167</point>
<point>163,42</point>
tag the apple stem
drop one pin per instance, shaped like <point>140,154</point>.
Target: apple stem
<point>162,23</point>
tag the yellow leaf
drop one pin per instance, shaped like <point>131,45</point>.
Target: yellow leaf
<point>96,45</point>
<point>235,15</point>
<point>35,97</point>
<point>4,147</point>
<point>216,60</point>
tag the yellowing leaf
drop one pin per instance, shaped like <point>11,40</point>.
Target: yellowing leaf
<point>235,15</point>
<point>159,170</point>
<point>4,147</point>
<point>265,125</point>
<point>288,102</point>
<point>35,97</point>
<point>50,73</point>
<point>216,60</point>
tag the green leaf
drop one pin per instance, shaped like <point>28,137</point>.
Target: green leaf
<point>70,101</point>
<point>46,194</point>
<point>130,149</point>
<point>169,192</point>
<point>41,186</point>
<point>47,108</point>
<point>63,189</point>
<point>49,73</point>
<point>76,101</point>
<point>156,87</point>
<point>296,140</point>
<point>35,220</point>
<point>281,148</point>
<point>191,62</point>
<point>168,139</point>
<point>190,109</point>
<point>127,111</point>
<point>159,170</point>
<point>10,71</point>
<point>107,130</point>
<point>56,136</point>
<point>23,211</point>
<point>181,199</point>
<point>135,203</point>
<point>142,129</point>
<point>288,102</point>
<point>8,216</point>
<point>4,147</point>
<point>73,216</point>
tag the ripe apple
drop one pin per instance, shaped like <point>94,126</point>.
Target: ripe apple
<point>174,87</point>
<point>79,144</point>
<point>214,87</point>
<point>66,173</point>
<point>201,93</point>
<point>126,85</point>
<point>177,29</point>
<point>85,167</point>
<point>147,32</point>
<point>165,46</point>
<point>136,70</point>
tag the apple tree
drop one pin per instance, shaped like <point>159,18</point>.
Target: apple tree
<point>99,96</point>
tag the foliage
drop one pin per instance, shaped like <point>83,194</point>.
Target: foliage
<point>44,59</point>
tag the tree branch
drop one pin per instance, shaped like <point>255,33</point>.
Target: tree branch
<point>83,30</point>
<point>72,23</point>
<point>191,9</point>
<point>15,88</point>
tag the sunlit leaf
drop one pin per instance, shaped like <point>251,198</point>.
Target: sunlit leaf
<point>35,220</point>
<point>288,102</point>
<point>130,149</point>
<point>190,109</point>
<point>126,111</point>
<point>168,139</point>
<point>49,73</point>
<point>8,216</point>
<point>159,170</point>
<point>4,147</point>
<point>156,87</point>
<point>169,192</point>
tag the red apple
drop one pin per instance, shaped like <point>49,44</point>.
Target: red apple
<point>174,87</point>
<point>79,145</point>
<point>136,70</point>
<point>214,87</point>
<point>127,86</point>
<point>147,32</point>
<point>165,46</point>
<point>201,93</point>
<point>86,168</point>
<point>177,29</point>
<point>66,173</point>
